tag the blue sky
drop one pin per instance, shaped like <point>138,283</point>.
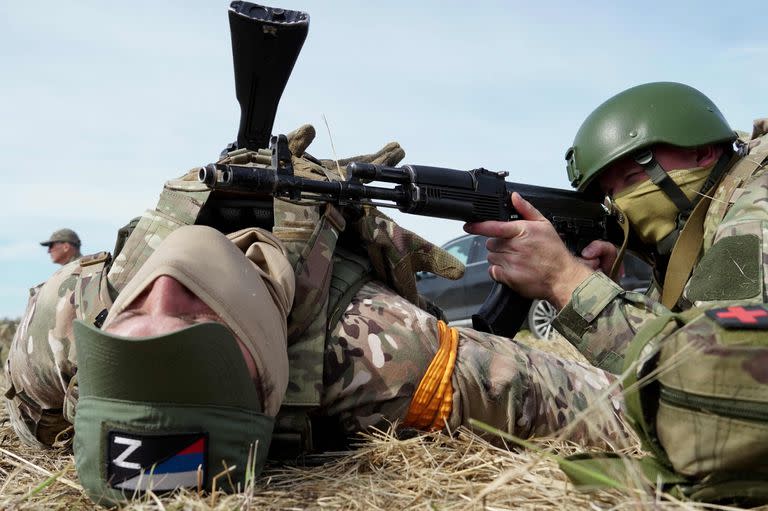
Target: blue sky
<point>101,102</point>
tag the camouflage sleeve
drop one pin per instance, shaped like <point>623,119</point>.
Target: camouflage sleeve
<point>42,362</point>
<point>601,319</point>
<point>531,393</point>
<point>380,351</point>
<point>375,358</point>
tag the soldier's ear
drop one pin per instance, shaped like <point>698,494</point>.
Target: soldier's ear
<point>708,155</point>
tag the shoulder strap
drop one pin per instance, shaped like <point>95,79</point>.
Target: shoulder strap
<point>309,236</point>
<point>350,273</point>
<point>684,255</point>
<point>689,243</point>
<point>179,204</point>
<point>297,429</point>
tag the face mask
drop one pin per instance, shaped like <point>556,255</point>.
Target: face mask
<point>169,411</point>
<point>244,278</point>
<point>651,214</point>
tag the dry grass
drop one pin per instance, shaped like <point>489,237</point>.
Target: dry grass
<point>426,471</point>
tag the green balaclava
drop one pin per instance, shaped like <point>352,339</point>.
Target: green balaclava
<point>181,410</point>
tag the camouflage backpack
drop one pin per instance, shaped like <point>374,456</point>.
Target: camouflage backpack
<point>699,398</point>
<point>696,390</point>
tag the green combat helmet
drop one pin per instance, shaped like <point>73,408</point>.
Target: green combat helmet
<point>630,123</point>
<point>653,113</point>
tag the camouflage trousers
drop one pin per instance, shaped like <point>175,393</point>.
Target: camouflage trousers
<point>383,345</point>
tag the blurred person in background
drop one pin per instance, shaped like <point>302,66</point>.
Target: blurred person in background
<point>63,246</point>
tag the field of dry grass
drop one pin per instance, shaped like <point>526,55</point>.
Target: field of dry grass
<point>427,471</point>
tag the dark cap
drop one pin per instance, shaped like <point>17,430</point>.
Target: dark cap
<point>67,235</point>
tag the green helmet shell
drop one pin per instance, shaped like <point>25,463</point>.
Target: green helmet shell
<point>653,113</point>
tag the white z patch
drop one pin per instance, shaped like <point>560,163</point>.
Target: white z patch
<point>132,444</point>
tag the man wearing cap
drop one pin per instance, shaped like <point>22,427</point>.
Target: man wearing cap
<point>63,246</point>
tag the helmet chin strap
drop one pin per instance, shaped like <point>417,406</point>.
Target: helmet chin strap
<point>661,178</point>
<point>623,223</point>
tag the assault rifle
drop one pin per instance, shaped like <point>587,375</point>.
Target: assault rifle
<point>266,42</point>
<point>469,196</point>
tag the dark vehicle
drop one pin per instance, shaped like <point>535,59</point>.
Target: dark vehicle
<point>461,298</point>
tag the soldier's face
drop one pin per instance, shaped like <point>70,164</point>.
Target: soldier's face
<point>621,175</point>
<point>164,307</point>
<point>624,173</point>
<point>60,252</point>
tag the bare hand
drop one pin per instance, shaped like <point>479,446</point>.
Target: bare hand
<point>599,255</point>
<point>528,255</point>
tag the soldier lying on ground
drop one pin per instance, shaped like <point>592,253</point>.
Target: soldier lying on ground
<point>212,345</point>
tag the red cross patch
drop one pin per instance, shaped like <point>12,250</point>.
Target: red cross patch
<point>741,316</point>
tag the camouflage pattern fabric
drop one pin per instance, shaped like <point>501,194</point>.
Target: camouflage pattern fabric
<point>7,331</point>
<point>179,204</point>
<point>705,362</point>
<point>310,232</point>
<point>42,362</point>
<point>375,357</point>
<point>373,363</point>
<point>731,187</point>
<point>601,318</point>
<point>383,345</point>
<point>310,240</point>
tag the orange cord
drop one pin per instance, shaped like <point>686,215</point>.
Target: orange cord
<point>433,400</point>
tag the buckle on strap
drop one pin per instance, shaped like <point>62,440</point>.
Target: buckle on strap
<point>292,435</point>
<point>661,179</point>
<point>644,158</point>
<point>97,258</point>
<point>335,218</point>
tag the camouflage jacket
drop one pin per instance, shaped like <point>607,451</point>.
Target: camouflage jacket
<point>602,318</point>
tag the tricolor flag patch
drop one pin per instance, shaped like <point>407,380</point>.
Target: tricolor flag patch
<point>156,462</point>
<point>753,317</point>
